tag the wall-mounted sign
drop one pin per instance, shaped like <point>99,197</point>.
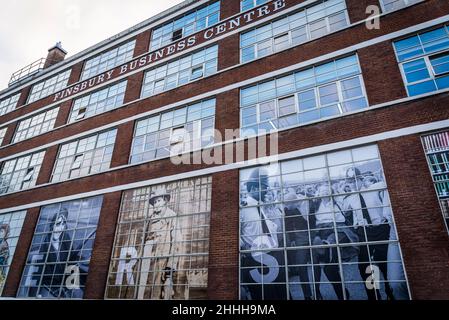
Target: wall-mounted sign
<point>220,29</point>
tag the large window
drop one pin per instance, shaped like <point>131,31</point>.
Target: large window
<point>108,60</point>
<point>436,147</point>
<point>162,242</point>
<point>187,25</point>
<point>20,173</point>
<point>181,71</point>
<point>391,5</point>
<point>85,156</point>
<point>2,134</point>
<point>9,104</point>
<point>49,86</point>
<point>319,92</point>
<point>249,4</point>
<point>10,227</point>
<point>36,125</point>
<point>319,227</point>
<point>98,102</point>
<point>424,61</point>
<point>174,132</point>
<point>60,252</point>
<point>308,24</point>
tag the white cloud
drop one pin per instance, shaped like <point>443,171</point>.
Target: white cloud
<point>29,27</point>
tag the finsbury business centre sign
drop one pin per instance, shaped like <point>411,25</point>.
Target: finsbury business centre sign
<point>184,44</point>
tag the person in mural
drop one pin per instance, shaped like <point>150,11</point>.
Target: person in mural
<point>60,256</point>
<point>160,257</point>
<point>259,233</point>
<point>296,227</point>
<point>373,219</point>
<point>327,212</point>
<point>4,251</point>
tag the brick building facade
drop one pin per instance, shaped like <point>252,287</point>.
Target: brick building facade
<point>378,88</point>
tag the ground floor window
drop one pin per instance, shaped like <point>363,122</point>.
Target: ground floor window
<point>10,227</point>
<point>161,245</point>
<point>436,147</point>
<point>319,227</point>
<point>60,252</point>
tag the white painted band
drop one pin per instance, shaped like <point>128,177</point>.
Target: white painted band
<point>239,165</point>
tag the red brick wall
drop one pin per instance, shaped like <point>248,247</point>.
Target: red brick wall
<point>223,278</point>
<point>357,9</point>
<point>420,225</point>
<point>390,86</point>
<point>101,253</point>
<point>426,265</point>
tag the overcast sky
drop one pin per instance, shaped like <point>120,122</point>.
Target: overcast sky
<point>28,28</point>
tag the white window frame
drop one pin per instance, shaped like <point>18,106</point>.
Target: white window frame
<point>89,63</point>
<point>90,105</point>
<point>44,91</point>
<point>186,137</point>
<point>9,103</point>
<point>21,182</point>
<point>78,158</point>
<point>156,44</point>
<point>407,3</point>
<point>254,5</point>
<point>290,31</point>
<point>3,132</point>
<point>317,99</point>
<point>40,124</point>
<point>432,75</point>
<point>162,79</point>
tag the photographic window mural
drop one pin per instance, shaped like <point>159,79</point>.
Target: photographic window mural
<point>162,242</point>
<point>320,227</point>
<point>436,147</point>
<point>10,227</point>
<point>59,257</point>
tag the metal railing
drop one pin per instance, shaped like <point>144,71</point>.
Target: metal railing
<point>27,71</point>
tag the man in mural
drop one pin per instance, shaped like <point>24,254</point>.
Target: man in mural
<point>369,219</point>
<point>296,227</point>
<point>59,255</point>
<point>160,257</point>
<point>259,232</point>
<point>327,213</point>
<point>4,251</point>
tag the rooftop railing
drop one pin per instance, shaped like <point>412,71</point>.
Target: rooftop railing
<point>27,71</point>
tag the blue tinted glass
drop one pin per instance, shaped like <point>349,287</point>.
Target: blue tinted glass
<point>247,4</point>
<point>354,105</point>
<point>416,71</point>
<point>408,48</point>
<point>309,116</point>
<point>248,54</point>
<point>248,38</point>
<point>249,95</point>
<point>347,66</point>
<point>330,111</point>
<point>440,64</point>
<point>285,85</point>
<point>435,40</point>
<point>325,73</point>
<point>422,88</point>
<point>305,79</point>
<point>213,19</point>
<point>267,91</point>
<point>443,82</point>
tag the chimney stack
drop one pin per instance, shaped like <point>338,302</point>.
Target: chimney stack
<point>55,55</point>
